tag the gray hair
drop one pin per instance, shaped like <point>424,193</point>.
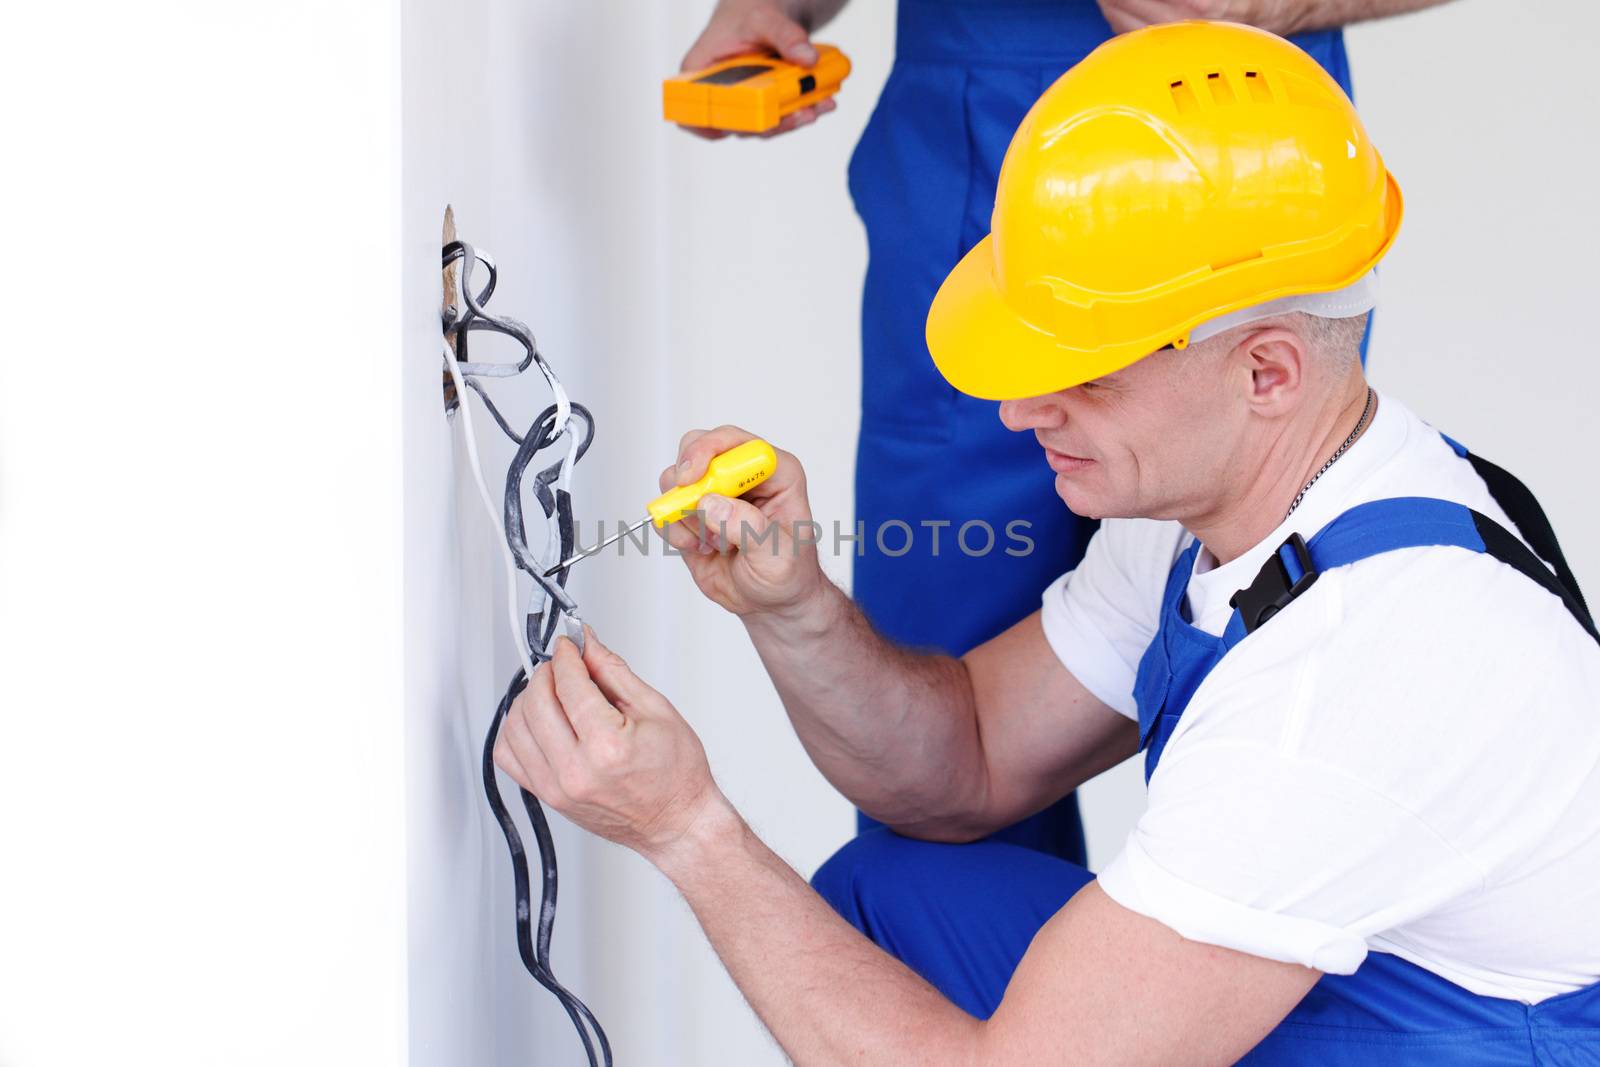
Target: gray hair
<point>1338,340</point>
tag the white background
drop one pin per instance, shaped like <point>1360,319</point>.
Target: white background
<point>202,744</point>
<point>249,635</point>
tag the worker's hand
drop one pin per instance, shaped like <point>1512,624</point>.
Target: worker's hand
<point>1279,16</point>
<point>739,27</point>
<point>751,554</point>
<point>590,739</point>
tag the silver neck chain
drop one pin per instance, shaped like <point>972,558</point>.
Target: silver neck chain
<point>1348,441</point>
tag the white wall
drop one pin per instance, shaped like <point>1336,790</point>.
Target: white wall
<point>610,229</point>
<point>548,180</point>
<point>1485,113</point>
<point>201,843</point>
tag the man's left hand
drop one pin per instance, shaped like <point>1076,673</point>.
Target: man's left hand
<point>1275,15</point>
<point>610,753</point>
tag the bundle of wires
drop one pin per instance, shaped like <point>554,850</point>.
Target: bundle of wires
<point>548,608</point>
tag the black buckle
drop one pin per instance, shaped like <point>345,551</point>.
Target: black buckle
<point>1275,587</point>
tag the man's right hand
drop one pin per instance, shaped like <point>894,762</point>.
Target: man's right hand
<point>739,27</point>
<point>753,554</point>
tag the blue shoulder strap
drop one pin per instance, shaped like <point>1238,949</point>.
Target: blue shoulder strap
<point>1380,526</point>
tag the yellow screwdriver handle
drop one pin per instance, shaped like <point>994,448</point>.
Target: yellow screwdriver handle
<point>733,473</point>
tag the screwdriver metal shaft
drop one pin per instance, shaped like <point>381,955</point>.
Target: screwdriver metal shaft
<point>613,539</point>
<point>731,473</point>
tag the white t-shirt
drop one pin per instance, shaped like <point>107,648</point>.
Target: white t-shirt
<point>1406,758</point>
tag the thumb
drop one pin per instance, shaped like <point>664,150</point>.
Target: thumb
<point>611,674</point>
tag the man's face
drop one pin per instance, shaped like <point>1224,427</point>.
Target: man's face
<point>1151,440</point>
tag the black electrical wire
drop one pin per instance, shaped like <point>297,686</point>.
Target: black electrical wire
<point>533,936</point>
<point>499,419</point>
<point>534,947</point>
<point>557,506</point>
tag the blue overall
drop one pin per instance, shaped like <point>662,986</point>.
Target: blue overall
<point>963,915</point>
<point>923,180</point>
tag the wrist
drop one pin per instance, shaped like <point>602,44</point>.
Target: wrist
<point>809,616</point>
<point>715,828</point>
<point>1283,17</point>
<point>743,6</point>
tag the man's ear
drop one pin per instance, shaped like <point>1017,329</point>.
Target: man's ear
<point>1275,359</point>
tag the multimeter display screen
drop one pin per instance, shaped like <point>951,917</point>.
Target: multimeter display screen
<point>733,75</point>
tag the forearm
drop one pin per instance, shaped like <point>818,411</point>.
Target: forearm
<point>1298,16</point>
<point>1097,983</point>
<point>826,993</point>
<point>895,731</point>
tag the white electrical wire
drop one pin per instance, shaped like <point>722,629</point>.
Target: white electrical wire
<point>518,637</point>
<point>542,596</point>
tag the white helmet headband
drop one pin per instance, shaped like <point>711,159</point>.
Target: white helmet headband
<point>1355,299</point>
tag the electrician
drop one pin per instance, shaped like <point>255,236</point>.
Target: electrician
<point>1361,673</point>
<point>923,181</point>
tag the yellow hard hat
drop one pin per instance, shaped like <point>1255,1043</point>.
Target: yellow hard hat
<point>1178,173</point>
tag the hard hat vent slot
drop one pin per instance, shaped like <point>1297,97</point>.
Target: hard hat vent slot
<point>1256,82</point>
<point>1184,97</point>
<point>1221,91</point>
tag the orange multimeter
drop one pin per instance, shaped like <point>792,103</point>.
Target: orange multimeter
<point>751,94</point>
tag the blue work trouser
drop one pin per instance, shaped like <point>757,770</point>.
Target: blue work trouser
<point>962,916</point>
